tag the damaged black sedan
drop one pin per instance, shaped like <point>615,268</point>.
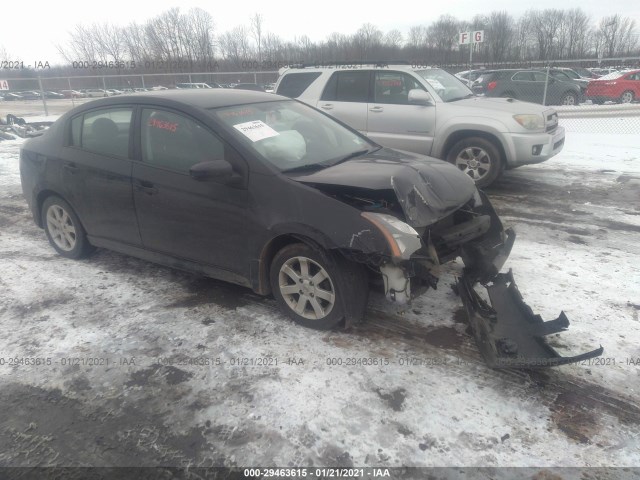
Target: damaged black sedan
<point>269,193</point>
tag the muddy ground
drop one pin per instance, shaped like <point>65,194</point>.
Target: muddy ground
<point>113,361</point>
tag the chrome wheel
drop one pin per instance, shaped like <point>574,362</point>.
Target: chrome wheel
<point>569,99</point>
<point>475,162</point>
<point>306,288</point>
<point>626,97</point>
<point>61,228</point>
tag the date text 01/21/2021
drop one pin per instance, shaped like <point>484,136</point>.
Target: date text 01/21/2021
<point>320,472</point>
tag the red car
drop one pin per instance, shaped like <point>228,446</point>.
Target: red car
<point>622,87</point>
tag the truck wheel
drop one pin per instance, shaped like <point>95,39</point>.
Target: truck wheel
<point>626,97</point>
<point>64,230</point>
<point>306,283</point>
<point>479,158</point>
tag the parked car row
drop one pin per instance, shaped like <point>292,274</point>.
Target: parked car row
<point>563,86</point>
<point>109,92</point>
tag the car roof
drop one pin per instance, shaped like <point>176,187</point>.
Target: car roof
<point>200,98</point>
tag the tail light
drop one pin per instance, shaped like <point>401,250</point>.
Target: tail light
<point>492,85</point>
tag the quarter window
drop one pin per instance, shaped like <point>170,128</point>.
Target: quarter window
<point>173,141</point>
<point>294,84</point>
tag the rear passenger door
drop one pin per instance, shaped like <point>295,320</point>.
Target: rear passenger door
<point>346,97</point>
<point>392,121</point>
<point>97,173</point>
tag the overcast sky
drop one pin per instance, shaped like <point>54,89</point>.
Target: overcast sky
<point>32,37</point>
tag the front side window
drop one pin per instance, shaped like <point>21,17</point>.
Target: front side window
<point>174,141</point>
<point>105,131</point>
<point>349,86</point>
<point>394,87</point>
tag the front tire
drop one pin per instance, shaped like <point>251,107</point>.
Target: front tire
<point>479,158</point>
<point>63,228</point>
<point>307,284</point>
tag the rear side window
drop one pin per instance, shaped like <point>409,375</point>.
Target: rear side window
<point>294,84</point>
<point>348,87</point>
<point>105,131</point>
<point>174,141</point>
<point>523,76</point>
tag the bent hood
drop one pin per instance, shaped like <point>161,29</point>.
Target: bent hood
<point>427,189</point>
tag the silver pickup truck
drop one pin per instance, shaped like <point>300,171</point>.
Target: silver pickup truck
<point>429,111</point>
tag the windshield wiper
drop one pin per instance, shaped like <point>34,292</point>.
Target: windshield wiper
<point>354,155</point>
<point>469,95</point>
<point>306,168</point>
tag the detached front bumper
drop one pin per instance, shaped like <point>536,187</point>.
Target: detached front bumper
<point>507,332</point>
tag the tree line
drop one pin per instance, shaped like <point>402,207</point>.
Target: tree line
<point>181,41</point>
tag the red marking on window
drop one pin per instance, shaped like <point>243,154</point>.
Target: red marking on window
<point>155,123</point>
<point>237,113</point>
<point>390,83</point>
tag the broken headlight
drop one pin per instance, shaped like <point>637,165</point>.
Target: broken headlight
<point>402,238</point>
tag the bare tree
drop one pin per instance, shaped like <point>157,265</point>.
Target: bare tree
<point>443,35</point>
<point>499,35</point>
<point>617,33</point>
<point>256,33</point>
<point>578,32</point>
<point>234,45</point>
<point>367,39</point>
<point>4,56</point>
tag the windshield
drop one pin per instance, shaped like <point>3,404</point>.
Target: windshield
<point>447,87</point>
<point>292,136</point>
<point>612,76</point>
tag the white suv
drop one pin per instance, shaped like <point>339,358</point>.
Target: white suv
<point>429,111</point>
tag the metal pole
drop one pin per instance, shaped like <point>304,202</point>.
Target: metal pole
<point>546,82</point>
<point>44,97</point>
<point>71,92</point>
<point>142,78</point>
<point>470,55</point>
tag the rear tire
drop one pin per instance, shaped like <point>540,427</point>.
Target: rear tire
<point>569,98</point>
<point>509,95</point>
<point>479,158</point>
<point>627,97</point>
<point>64,230</point>
<point>308,284</point>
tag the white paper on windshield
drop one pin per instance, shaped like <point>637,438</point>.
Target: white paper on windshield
<point>435,83</point>
<point>256,130</point>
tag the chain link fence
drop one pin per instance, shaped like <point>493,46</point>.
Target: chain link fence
<point>578,110</point>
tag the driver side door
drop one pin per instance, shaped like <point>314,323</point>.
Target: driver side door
<point>195,220</point>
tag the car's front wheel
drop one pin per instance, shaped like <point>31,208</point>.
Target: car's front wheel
<point>308,285</point>
<point>479,158</point>
<point>63,228</point>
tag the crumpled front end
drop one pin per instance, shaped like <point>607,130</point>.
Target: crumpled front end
<point>508,333</point>
<point>473,232</point>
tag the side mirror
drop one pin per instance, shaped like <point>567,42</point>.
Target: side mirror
<point>419,97</point>
<point>219,171</point>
